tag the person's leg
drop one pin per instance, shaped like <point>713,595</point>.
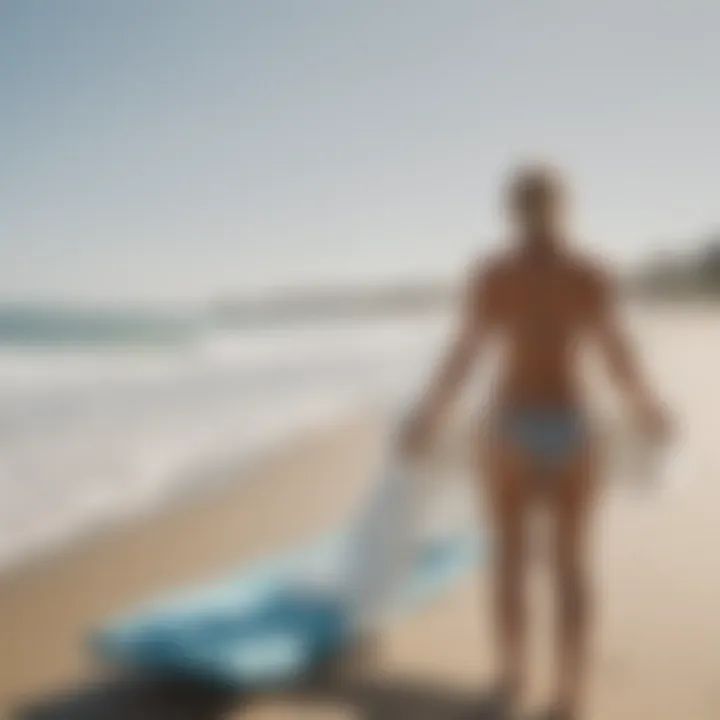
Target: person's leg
<point>506,494</point>
<point>571,507</point>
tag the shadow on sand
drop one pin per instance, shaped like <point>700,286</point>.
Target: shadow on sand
<point>366,699</point>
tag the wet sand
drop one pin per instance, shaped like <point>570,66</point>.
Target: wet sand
<point>656,653</point>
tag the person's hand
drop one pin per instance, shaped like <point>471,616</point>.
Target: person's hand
<point>655,420</point>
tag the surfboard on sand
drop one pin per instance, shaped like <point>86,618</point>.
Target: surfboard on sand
<point>278,619</point>
<point>271,622</point>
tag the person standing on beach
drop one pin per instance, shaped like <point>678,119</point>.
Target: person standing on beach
<point>540,298</point>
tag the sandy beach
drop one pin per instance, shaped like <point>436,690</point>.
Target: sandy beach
<point>657,644</point>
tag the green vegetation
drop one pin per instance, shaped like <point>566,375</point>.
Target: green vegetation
<point>681,275</point>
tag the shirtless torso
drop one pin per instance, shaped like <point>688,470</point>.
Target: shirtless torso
<point>541,309</point>
<point>541,301</point>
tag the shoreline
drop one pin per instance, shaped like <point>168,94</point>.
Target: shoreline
<point>217,479</point>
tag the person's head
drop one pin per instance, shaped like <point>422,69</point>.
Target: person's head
<point>537,199</point>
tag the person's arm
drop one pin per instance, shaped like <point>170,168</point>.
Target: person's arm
<point>620,355</point>
<point>475,323</point>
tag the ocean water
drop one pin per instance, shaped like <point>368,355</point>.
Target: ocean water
<point>107,416</point>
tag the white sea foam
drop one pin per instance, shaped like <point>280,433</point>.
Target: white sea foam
<point>87,437</point>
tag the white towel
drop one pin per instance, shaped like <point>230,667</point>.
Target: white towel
<point>383,539</point>
<point>409,502</point>
<point>633,460</point>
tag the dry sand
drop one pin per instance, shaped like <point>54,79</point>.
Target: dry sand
<point>657,649</point>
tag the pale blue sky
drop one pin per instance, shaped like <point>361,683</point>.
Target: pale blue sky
<point>180,148</point>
